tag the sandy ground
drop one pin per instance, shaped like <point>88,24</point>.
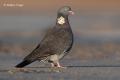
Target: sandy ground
<point>74,73</point>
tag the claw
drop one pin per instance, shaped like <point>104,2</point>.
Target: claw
<point>59,66</point>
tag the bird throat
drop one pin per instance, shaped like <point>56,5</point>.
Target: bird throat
<point>61,20</point>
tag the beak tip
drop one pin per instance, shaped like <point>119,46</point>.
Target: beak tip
<point>71,12</point>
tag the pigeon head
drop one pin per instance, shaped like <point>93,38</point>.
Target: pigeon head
<point>63,14</point>
<point>66,10</point>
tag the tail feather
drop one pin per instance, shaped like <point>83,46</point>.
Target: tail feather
<point>23,63</point>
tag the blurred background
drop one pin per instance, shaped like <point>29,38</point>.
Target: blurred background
<point>96,28</point>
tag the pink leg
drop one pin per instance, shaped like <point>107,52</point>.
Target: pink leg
<point>57,64</point>
<point>52,65</point>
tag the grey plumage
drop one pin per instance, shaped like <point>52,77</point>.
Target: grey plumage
<point>56,43</point>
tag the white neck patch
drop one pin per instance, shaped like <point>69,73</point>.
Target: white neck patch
<point>61,20</point>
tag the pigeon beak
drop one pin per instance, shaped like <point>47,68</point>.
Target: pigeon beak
<point>71,12</point>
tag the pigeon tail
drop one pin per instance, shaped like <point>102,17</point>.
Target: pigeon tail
<point>23,63</point>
